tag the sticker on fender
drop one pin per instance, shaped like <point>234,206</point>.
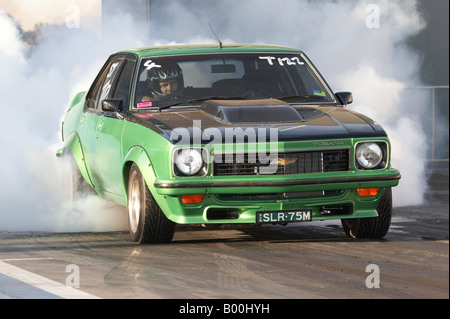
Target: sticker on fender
<point>301,215</point>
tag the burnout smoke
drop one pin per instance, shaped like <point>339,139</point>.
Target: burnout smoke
<point>356,50</point>
<point>37,84</point>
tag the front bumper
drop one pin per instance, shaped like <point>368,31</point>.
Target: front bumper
<point>237,199</point>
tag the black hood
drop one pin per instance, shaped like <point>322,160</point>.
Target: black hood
<point>292,122</point>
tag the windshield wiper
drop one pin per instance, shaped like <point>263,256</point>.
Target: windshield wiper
<point>198,100</point>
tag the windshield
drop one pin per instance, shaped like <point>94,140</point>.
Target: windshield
<point>190,79</point>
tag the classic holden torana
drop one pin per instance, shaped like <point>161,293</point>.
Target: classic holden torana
<point>227,134</point>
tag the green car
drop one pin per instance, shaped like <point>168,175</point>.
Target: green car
<point>232,134</point>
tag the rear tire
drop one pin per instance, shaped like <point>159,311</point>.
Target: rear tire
<point>375,227</point>
<point>75,187</point>
<point>146,220</point>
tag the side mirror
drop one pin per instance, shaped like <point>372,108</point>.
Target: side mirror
<point>112,105</point>
<point>344,98</point>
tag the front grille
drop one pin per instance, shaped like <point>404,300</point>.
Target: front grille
<point>283,164</point>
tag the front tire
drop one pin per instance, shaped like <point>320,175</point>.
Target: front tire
<point>146,220</point>
<point>375,227</point>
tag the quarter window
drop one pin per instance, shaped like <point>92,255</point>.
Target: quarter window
<point>122,90</point>
<point>102,87</point>
<point>106,88</point>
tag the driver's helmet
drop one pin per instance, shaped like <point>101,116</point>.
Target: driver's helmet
<point>163,73</point>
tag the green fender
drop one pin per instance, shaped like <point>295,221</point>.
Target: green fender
<point>139,156</point>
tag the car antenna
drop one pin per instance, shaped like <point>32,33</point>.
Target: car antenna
<point>220,42</point>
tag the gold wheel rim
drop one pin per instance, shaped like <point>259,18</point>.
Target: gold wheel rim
<point>134,206</point>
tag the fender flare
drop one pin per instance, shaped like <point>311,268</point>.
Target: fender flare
<point>137,155</point>
<point>73,143</point>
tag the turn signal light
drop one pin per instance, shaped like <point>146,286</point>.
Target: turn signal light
<point>192,199</point>
<point>367,192</point>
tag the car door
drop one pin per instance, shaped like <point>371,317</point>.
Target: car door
<point>110,127</point>
<point>89,120</point>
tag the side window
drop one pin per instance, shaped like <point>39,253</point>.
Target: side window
<point>122,90</point>
<point>110,76</point>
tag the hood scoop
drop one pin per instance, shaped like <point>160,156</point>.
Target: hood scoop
<point>251,111</point>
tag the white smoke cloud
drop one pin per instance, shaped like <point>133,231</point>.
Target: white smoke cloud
<point>36,85</point>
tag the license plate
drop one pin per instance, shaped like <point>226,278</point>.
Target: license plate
<point>300,215</point>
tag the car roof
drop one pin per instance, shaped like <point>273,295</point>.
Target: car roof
<point>209,48</point>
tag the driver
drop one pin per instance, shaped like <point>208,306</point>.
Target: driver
<point>163,81</point>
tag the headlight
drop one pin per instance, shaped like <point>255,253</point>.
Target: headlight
<point>189,161</point>
<point>369,154</point>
